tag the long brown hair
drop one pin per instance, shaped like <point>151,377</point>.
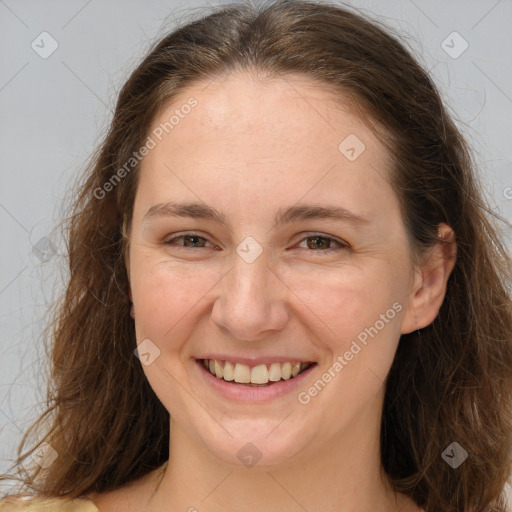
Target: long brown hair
<point>450,382</point>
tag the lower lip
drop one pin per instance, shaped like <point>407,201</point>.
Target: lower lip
<point>241,393</point>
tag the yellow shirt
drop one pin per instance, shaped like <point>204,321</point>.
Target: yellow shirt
<point>33,504</point>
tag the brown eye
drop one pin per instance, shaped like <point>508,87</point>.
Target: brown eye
<point>322,243</point>
<point>191,241</point>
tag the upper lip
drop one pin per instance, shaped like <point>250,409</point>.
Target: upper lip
<point>256,360</point>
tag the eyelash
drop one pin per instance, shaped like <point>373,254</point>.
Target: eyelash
<point>342,245</point>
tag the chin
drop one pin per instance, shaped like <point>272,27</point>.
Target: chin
<point>257,444</point>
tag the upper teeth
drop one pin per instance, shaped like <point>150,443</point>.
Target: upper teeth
<point>259,374</point>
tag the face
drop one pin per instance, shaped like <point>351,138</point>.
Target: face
<point>272,276</point>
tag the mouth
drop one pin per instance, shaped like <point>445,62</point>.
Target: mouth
<point>261,375</point>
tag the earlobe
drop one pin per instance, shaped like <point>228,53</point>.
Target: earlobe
<point>430,282</point>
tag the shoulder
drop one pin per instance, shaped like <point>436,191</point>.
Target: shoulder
<point>38,504</point>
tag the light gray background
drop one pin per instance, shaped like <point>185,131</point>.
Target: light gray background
<point>54,111</point>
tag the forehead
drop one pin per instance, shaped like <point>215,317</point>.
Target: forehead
<point>286,136</point>
<point>237,104</point>
<point>247,96</point>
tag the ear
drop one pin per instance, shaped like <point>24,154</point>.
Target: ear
<point>430,283</point>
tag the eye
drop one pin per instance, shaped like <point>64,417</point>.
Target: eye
<point>190,238</point>
<point>319,243</point>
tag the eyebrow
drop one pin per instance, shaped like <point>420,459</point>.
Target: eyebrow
<point>283,216</point>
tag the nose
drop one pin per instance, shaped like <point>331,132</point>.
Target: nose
<point>251,302</point>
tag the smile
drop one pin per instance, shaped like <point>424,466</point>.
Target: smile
<point>259,375</point>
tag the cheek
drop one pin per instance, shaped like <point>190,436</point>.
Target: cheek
<point>166,294</point>
<point>168,301</point>
<point>359,333</point>
<point>360,311</point>
<point>346,300</point>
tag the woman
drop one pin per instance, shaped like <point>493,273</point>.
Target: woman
<point>285,224</point>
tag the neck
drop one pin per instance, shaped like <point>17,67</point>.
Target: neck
<point>342,473</point>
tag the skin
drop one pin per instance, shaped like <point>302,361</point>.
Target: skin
<point>250,147</point>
